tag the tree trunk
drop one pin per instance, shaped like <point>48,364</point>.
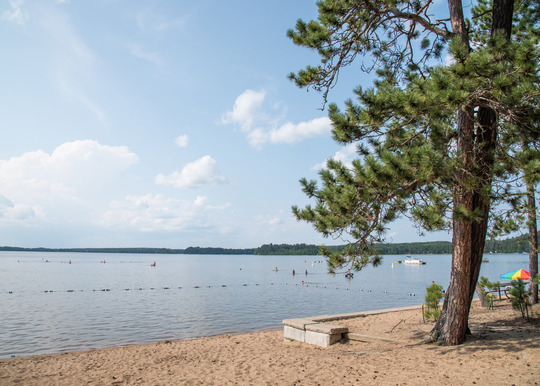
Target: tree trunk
<point>486,139</point>
<point>476,151</point>
<point>533,242</point>
<point>451,326</point>
<point>469,237</point>
<point>482,295</point>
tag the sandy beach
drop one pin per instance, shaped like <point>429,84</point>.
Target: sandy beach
<point>504,349</point>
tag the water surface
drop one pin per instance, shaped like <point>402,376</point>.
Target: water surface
<point>100,300</point>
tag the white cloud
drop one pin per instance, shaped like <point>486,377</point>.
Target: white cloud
<point>449,59</point>
<point>290,132</point>
<point>262,128</point>
<point>246,110</point>
<point>346,155</point>
<point>158,213</point>
<point>203,171</point>
<point>57,184</point>
<point>141,53</point>
<point>181,140</point>
<point>16,13</point>
<point>20,213</point>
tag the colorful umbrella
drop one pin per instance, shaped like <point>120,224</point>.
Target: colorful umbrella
<point>517,274</point>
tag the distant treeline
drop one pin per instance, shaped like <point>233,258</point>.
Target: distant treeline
<point>517,244</point>
<point>512,245</point>
<point>187,251</point>
<point>437,247</point>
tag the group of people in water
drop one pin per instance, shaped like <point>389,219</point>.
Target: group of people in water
<point>305,272</point>
<point>293,271</point>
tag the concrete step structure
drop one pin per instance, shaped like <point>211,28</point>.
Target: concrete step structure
<point>317,331</point>
<point>312,332</point>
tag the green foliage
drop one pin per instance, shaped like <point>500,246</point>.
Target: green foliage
<point>485,283</point>
<point>482,288</point>
<point>376,31</point>
<point>217,251</point>
<point>520,297</point>
<point>287,249</point>
<point>168,251</point>
<point>518,244</point>
<point>432,299</point>
<point>407,125</point>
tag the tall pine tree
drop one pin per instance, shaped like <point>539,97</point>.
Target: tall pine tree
<point>429,137</point>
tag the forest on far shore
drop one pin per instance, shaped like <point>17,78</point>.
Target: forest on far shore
<point>517,244</point>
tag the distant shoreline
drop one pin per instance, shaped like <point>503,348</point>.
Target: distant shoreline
<point>511,245</point>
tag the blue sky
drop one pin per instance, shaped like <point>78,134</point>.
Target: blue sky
<point>160,124</point>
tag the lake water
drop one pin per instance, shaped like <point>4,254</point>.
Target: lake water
<point>102,300</point>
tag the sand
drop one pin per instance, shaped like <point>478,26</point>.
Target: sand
<point>503,349</point>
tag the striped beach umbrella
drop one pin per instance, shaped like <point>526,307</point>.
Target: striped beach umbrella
<point>517,274</point>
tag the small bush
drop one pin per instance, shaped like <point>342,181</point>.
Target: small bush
<point>482,287</point>
<point>432,299</point>
<point>520,297</point>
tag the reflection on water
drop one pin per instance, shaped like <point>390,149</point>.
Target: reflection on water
<point>98,300</point>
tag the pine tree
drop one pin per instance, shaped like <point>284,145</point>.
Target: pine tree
<point>429,137</point>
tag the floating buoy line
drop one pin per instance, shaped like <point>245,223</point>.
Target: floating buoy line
<point>302,284</point>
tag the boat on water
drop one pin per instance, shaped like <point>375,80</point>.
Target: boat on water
<point>485,259</point>
<point>415,261</point>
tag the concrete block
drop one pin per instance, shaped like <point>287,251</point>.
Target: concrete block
<point>322,318</point>
<point>293,333</point>
<point>324,328</point>
<point>322,339</point>
<point>297,323</point>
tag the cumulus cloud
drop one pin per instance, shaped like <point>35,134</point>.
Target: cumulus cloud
<point>41,183</point>
<point>290,132</point>
<point>181,140</point>
<point>158,213</point>
<point>201,172</point>
<point>346,155</point>
<point>20,213</point>
<point>15,14</point>
<point>261,127</point>
<point>246,110</point>
<point>449,59</point>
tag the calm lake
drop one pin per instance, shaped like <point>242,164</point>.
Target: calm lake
<point>100,300</point>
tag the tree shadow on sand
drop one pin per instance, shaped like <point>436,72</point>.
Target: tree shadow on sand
<point>509,333</point>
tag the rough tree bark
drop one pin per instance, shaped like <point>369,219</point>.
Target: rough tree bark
<point>476,150</point>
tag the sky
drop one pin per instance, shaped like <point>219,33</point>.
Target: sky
<point>130,123</point>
